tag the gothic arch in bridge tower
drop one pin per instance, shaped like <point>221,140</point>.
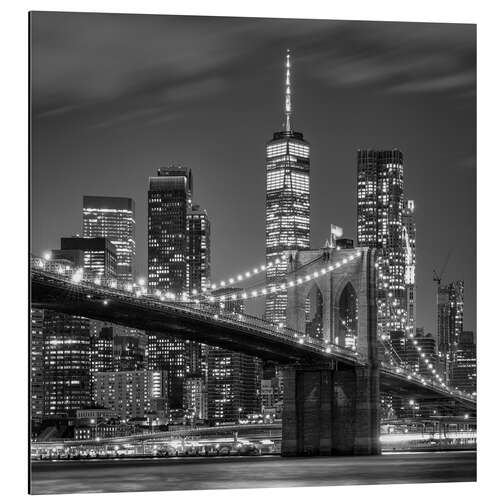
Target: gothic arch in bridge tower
<point>346,317</point>
<point>314,312</point>
<point>347,294</point>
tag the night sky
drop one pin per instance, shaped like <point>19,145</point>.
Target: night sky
<point>115,97</point>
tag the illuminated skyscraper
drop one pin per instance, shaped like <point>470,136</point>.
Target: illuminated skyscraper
<point>113,218</point>
<point>36,365</point>
<point>464,369</point>
<point>233,377</point>
<point>178,262</point>
<point>287,202</point>
<point>99,255</point>
<point>409,241</point>
<point>450,301</point>
<point>66,364</point>
<point>169,201</point>
<point>380,225</point>
<point>198,249</point>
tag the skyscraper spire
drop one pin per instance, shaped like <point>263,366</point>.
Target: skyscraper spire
<point>288,95</point>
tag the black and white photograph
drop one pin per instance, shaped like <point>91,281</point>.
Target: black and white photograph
<point>252,252</point>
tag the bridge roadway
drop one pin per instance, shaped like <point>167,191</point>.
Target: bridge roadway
<point>206,324</point>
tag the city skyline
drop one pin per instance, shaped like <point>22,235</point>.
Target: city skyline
<point>336,205</point>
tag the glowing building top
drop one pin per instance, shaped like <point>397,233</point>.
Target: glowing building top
<point>287,201</point>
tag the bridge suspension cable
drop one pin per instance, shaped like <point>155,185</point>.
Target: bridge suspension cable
<point>246,294</point>
<point>401,315</point>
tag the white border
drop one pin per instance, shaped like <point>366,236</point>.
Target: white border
<point>14,180</point>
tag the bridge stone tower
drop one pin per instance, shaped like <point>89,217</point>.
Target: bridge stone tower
<point>333,409</point>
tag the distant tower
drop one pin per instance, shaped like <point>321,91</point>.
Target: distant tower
<point>380,225</point>
<point>409,241</point>
<point>287,201</point>
<point>113,218</point>
<point>450,325</point>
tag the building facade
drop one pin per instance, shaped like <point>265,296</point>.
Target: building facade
<point>99,255</point>
<point>233,378</point>
<point>450,303</point>
<point>464,372</point>
<point>198,249</point>
<point>36,365</point>
<point>131,394</point>
<point>113,218</point>
<point>169,201</point>
<point>66,366</point>
<point>288,209</point>
<point>195,398</point>
<point>179,263</point>
<point>410,244</point>
<point>380,225</point>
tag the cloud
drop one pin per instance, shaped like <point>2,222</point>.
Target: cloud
<point>120,68</point>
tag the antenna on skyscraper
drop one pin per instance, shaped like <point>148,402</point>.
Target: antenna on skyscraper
<point>288,94</point>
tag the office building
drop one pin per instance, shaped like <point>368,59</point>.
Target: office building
<point>464,373</point>
<point>233,379</point>
<point>36,365</point>
<point>287,202</point>
<point>380,225</point>
<point>178,262</point>
<point>129,350</point>
<point>409,241</point>
<point>450,303</point>
<point>113,218</point>
<point>169,201</point>
<point>195,398</point>
<point>66,366</point>
<point>198,249</point>
<point>97,256</point>
<point>66,338</point>
<point>131,394</point>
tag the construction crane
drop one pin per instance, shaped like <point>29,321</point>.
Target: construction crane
<point>437,277</point>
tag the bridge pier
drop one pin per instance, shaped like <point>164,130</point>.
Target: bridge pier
<point>330,411</point>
